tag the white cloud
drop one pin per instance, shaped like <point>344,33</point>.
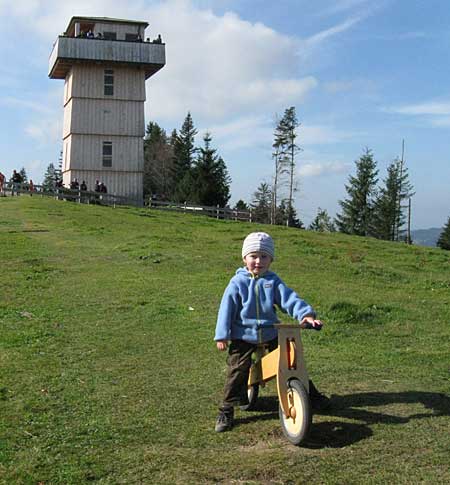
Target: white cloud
<point>401,36</point>
<point>8,78</point>
<point>443,122</point>
<point>45,131</point>
<point>248,131</point>
<point>332,31</point>
<point>48,18</point>
<point>320,135</point>
<point>434,113</point>
<point>19,7</point>
<point>222,66</point>
<point>242,132</point>
<point>427,108</point>
<point>35,169</point>
<point>317,48</point>
<point>334,87</point>
<point>342,5</point>
<point>319,169</point>
<point>25,104</point>
<point>230,73</point>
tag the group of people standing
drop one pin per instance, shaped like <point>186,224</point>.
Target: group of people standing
<point>90,35</point>
<point>15,182</point>
<point>99,186</point>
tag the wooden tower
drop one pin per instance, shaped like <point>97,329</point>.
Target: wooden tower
<point>104,63</point>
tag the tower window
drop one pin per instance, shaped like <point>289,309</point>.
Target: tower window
<point>107,154</point>
<point>108,82</point>
<point>131,37</point>
<point>110,35</point>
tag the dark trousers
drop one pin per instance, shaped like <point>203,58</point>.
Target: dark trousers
<point>239,361</point>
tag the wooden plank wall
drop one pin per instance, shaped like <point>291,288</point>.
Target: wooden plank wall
<point>85,152</point>
<point>104,117</point>
<point>129,82</point>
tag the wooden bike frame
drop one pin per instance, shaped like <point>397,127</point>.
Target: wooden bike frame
<point>285,362</point>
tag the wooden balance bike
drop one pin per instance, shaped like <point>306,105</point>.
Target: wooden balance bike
<point>287,365</point>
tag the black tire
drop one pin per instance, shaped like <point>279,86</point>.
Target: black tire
<point>252,393</point>
<point>296,430</point>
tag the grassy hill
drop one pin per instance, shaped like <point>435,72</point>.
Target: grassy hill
<point>109,374</point>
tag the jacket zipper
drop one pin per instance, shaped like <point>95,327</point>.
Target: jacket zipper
<point>259,331</point>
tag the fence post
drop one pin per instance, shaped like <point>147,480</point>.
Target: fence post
<point>217,211</point>
<point>250,216</point>
<point>79,195</point>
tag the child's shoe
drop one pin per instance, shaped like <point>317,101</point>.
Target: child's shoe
<point>319,401</point>
<point>225,420</point>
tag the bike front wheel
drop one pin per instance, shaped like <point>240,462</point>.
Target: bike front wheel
<point>296,427</point>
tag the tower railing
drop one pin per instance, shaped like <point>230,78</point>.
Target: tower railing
<point>150,56</point>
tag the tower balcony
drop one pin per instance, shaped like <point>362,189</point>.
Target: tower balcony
<point>149,56</point>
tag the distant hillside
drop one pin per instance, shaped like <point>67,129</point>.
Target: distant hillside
<point>426,237</point>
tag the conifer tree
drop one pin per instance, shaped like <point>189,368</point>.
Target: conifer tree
<point>284,154</point>
<point>280,167</point>
<point>172,142</point>
<point>240,206</point>
<point>158,163</point>
<point>289,124</point>
<point>357,209</point>
<point>211,182</point>
<point>405,191</point>
<point>322,222</point>
<point>261,204</point>
<point>184,151</point>
<point>59,169</point>
<point>50,178</point>
<point>444,238</point>
<point>388,212</point>
<point>24,175</point>
<point>287,215</point>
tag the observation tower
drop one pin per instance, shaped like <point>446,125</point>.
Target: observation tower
<point>104,63</point>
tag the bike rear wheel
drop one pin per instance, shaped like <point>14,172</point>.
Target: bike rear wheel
<point>296,427</point>
<point>252,393</point>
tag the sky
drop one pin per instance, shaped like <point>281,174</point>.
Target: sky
<point>361,74</point>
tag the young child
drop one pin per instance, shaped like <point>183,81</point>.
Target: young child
<point>246,317</point>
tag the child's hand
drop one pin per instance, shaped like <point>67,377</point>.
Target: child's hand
<point>311,323</point>
<point>222,344</point>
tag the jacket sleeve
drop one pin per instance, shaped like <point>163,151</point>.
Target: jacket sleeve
<point>289,302</point>
<point>227,312</point>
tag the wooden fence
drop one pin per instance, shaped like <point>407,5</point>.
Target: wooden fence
<point>73,195</point>
<point>211,211</point>
<point>87,197</point>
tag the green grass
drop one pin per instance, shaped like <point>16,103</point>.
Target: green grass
<point>109,373</point>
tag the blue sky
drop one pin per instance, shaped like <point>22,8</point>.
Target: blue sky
<point>360,74</point>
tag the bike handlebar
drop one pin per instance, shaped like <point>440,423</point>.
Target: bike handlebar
<point>310,326</point>
<point>305,326</point>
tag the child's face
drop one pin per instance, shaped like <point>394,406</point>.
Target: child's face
<point>257,263</point>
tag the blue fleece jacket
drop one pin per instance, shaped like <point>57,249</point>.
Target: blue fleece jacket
<point>248,305</point>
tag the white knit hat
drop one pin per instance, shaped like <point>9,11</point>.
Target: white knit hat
<point>258,241</point>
